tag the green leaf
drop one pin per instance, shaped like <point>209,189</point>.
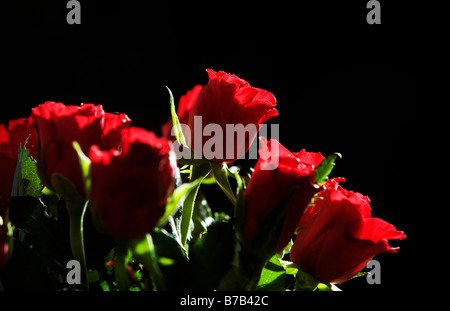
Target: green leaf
<point>220,172</point>
<point>167,246</point>
<point>202,216</point>
<point>327,287</point>
<point>48,191</point>
<point>178,194</point>
<point>170,251</point>
<point>360,274</point>
<point>211,256</point>
<point>176,122</point>
<point>187,157</point>
<point>285,250</point>
<point>273,276</point>
<point>305,281</point>
<point>291,269</point>
<point>322,287</point>
<point>325,168</point>
<point>165,261</point>
<point>209,181</point>
<point>26,179</point>
<point>198,172</point>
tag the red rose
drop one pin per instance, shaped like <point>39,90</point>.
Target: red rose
<point>130,188</point>
<point>16,134</point>
<point>268,187</point>
<point>59,125</point>
<point>338,236</point>
<point>10,138</point>
<point>226,99</point>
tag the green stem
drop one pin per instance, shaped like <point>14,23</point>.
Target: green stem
<point>120,265</point>
<point>244,274</point>
<point>77,209</point>
<point>221,175</point>
<point>150,261</point>
<point>144,250</point>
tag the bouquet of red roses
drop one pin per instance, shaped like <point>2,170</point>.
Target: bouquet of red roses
<point>89,202</point>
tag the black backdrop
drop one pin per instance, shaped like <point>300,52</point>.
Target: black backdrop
<point>341,84</point>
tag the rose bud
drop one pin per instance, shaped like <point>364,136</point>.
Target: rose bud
<point>130,187</point>
<point>338,236</point>
<point>59,126</point>
<point>277,197</point>
<point>225,102</point>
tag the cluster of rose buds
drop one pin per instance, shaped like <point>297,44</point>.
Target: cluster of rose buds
<point>130,181</point>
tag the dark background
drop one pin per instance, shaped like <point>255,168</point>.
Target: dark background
<point>341,85</point>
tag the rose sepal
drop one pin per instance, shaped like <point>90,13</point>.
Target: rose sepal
<point>220,171</point>
<point>76,208</point>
